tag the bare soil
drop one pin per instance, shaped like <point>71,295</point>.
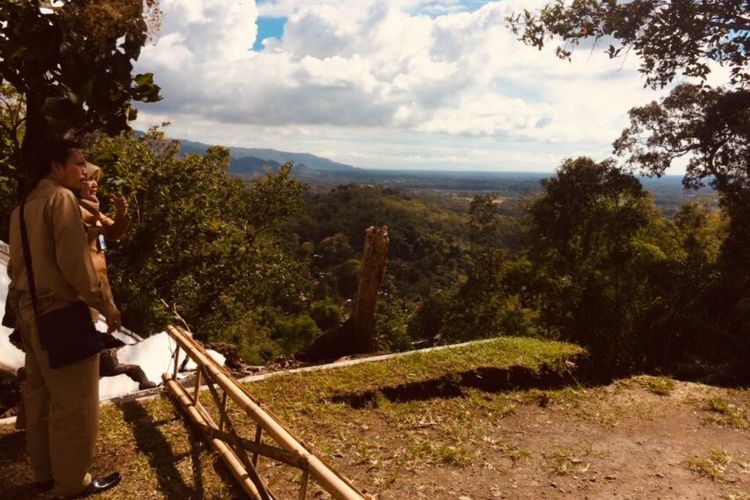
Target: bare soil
<point>623,441</point>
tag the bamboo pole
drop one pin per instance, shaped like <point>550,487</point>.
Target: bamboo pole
<point>227,455</point>
<point>328,478</point>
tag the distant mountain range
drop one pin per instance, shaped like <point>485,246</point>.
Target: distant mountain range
<point>323,173</point>
<point>249,161</point>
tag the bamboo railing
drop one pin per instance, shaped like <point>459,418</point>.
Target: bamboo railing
<point>239,453</point>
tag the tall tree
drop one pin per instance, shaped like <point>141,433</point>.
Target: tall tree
<point>200,240</point>
<point>708,126</point>
<point>72,61</point>
<point>484,304</point>
<point>589,252</point>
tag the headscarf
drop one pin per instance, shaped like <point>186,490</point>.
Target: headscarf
<point>93,171</point>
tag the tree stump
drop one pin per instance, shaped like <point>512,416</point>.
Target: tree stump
<point>365,302</point>
<point>356,335</point>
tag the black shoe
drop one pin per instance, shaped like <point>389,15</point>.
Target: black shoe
<point>100,484</point>
<point>44,486</point>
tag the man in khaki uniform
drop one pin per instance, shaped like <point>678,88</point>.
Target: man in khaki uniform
<point>62,404</point>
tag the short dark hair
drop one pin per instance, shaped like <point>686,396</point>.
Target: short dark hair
<point>56,150</point>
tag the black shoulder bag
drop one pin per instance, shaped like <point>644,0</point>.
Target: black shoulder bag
<point>67,334</point>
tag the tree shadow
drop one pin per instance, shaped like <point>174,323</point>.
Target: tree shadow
<point>488,379</point>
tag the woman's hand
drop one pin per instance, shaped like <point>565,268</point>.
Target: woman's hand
<point>121,206</point>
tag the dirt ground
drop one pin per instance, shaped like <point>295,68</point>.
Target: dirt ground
<point>621,441</point>
<point>641,438</point>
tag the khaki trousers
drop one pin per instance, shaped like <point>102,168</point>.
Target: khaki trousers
<point>62,414</point>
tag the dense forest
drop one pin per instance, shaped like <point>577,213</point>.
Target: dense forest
<point>269,263</point>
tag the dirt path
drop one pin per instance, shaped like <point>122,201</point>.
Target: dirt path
<point>621,441</point>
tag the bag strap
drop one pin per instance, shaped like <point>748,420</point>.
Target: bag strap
<point>27,259</point>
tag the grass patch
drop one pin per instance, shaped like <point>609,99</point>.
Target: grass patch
<point>430,453</point>
<point>511,451</point>
<point>714,466</point>
<point>663,386</point>
<point>725,413</point>
<point>566,462</point>
<point>418,367</point>
<point>160,457</point>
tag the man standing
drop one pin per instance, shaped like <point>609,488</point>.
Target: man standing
<point>62,404</point>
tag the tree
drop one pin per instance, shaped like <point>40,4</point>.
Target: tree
<point>670,36</point>
<point>711,128</point>
<point>484,305</point>
<point>12,114</point>
<point>708,126</point>
<point>200,240</point>
<point>589,254</point>
<point>72,63</point>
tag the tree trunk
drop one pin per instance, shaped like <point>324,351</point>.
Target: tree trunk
<point>32,144</point>
<point>374,259</point>
<point>356,334</point>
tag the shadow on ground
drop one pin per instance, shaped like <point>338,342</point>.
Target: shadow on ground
<point>454,385</point>
<point>13,452</point>
<point>157,442</point>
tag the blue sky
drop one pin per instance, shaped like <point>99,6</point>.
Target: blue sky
<point>400,84</point>
<point>268,27</point>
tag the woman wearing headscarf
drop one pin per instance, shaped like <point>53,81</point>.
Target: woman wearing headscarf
<point>99,230</point>
<point>99,227</point>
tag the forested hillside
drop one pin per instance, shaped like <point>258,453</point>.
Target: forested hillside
<point>267,263</point>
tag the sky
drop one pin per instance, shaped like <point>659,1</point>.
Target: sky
<point>398,84</point>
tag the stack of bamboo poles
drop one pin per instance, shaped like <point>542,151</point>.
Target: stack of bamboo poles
<point>235,450</point>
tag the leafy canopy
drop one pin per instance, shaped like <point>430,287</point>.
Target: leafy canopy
<point>670,36</point>
<point>72,61</point>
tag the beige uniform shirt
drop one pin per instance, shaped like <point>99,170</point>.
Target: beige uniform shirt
<point>63,272</point>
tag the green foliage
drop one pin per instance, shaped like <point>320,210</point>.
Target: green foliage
<point>591,247</point>
<point>12,115</point>
<point>295,333</point>
<point>710,126</point>
<point>669,37</point>
<point>73,62</point>
<point>484,305</point>
<point>427,242</point>
<point>705,304</point>
<point>326,313</point>
<point>201,241</point>
<point>392,324</point>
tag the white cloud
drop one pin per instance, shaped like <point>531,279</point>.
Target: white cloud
<point>350,78</point>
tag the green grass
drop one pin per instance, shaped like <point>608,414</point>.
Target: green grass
<point>725,413</point>
<point>414,368</point>
<point>151,444</point>
<point>663,386</point>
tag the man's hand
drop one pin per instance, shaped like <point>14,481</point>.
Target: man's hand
<point>114,321</point>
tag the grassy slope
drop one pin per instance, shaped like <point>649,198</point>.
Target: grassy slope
<point>149,442</point>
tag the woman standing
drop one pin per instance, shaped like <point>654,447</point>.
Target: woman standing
<point>100,228</point>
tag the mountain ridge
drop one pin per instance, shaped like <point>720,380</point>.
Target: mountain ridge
<point>250,160</point>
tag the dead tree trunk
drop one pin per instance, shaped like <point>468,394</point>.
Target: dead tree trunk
<point>365,301</point>
<point>356,335</point>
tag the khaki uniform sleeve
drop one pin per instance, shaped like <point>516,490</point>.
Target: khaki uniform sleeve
<point>72,252</point>
<point>114,230</point>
